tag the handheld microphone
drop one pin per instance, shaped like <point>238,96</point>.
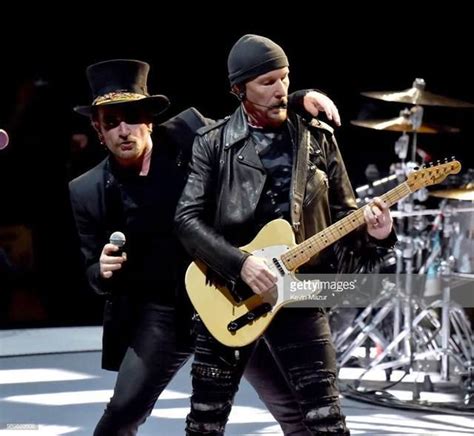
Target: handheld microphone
<point>117,239</point>
<point>4,139</point>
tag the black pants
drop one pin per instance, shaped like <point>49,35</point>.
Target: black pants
<point>155,356</point>
<point>300,342</point>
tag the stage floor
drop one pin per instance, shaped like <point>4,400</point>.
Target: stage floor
<point>51,384</point>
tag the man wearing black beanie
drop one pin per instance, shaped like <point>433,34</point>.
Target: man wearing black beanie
<point>261,164</point>
<point>253,55</point>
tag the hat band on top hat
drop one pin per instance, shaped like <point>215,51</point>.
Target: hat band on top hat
<point>117,97</point>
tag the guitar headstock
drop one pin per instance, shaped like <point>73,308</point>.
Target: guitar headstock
<point>432,174</point>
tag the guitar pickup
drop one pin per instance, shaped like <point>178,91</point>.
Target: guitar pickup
<point>250,316</point>
<point>278,266</point>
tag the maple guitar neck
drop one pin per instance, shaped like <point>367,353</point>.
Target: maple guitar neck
<point>300,254</point>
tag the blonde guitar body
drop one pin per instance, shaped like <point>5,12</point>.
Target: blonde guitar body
<point>215,304</point>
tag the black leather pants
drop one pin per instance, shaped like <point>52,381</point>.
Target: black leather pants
<point>299,340</point>
<point>150,363</point>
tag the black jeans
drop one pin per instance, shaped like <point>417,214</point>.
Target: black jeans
<point>155,356</point>
<point>299,339</point>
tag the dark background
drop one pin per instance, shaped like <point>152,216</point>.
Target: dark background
<point>343,52</point>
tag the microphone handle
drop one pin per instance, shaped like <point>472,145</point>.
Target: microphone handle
<point>117,253</point>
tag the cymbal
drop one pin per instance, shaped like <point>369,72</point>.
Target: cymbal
<point>455,194</point>
<point>401,124</point>
<point>417,95</point>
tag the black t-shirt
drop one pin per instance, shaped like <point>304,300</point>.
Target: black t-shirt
<point>275,149</point>
<point>155,257</point>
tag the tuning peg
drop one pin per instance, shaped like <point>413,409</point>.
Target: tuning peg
<point>438,162</point>
<point>431,164</point>
<point>453,158</point>
<point>417,168</point>
<point>445,160</point>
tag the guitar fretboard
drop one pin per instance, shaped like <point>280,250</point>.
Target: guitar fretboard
<point>303,252</point>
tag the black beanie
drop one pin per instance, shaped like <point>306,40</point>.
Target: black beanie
<point>253,55</point>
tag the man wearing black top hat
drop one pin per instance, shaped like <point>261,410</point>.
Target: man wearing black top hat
<point>135,190</point>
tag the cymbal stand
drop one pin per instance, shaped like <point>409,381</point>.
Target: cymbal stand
<point>364,328</point>
<point>413,118</point>
<point>445,271</point>
<point>395,298</point>
<point>392,298</point>
<point>405,258</point>
<point>409,252</point>
<point>416,118</point>
<point>408,260</point>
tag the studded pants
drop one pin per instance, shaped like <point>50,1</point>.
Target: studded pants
<point>300,343</point>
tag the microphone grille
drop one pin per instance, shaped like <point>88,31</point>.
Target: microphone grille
<point>118,239</point>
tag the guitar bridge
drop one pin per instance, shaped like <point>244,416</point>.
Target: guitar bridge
<point>250,316</point>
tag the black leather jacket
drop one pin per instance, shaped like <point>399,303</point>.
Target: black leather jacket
<point>216,211</point>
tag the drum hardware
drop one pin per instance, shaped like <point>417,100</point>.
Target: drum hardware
<point>421,212</point>
<point>424,335</point>
<point>431,212</point>
<point>418,332</point>
<point>468,382</point>
<point>401,147</point>
<point>409,259</point>
<point>407,122</point>
<point>364,329</point>
<point>411,120</point>
<point>417,95</point>
<point>396,299</point>
<point>459,225</point>
<point>455,332</point>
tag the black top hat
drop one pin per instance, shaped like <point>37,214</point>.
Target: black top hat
<point>120,81</point>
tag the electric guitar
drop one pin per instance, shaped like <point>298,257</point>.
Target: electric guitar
<point>236,324</point>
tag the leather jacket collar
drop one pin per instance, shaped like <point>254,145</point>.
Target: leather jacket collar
<point>237,129</point>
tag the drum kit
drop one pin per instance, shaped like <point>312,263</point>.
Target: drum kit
<point>425,329</point>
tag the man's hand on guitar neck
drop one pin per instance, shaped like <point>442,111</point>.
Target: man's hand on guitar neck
<point>256,274</point>
<point>378,219</point>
